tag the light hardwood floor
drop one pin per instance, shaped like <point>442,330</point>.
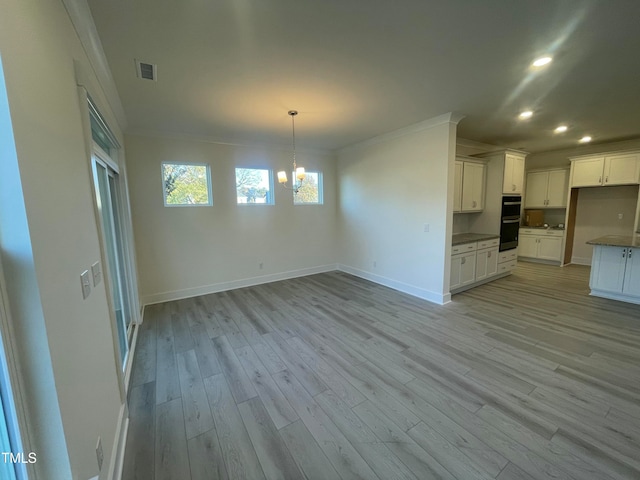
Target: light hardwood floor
<point>330,376</point>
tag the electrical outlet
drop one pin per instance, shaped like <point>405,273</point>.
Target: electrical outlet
<point>86,284</point>
<point>99,453</point>
<point>96,271</point>
<point>426,227</point>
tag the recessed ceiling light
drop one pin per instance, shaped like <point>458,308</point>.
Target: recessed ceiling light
<point>561,129</point>
<point>541,62</point>
<point>585,139</point>
<point>526,114</point>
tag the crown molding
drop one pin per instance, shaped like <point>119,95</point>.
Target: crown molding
<point>223,141</point>
<point>451,117</point>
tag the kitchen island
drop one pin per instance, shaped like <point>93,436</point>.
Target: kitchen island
<point>615,267</point>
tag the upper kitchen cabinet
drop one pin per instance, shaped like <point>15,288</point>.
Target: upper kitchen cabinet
<point>547,189</point>
<point>513,174</point>
<point>604,170</point>
<point>469,188</point>
<point>505,174</point>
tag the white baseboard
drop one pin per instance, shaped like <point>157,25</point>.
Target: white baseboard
<point>581,260</point>
<point>223,286</point>
<point>432,297</point>
<point>615,296</point>
<point>119,444</point>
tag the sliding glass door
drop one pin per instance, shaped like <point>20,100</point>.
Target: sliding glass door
<point>108,198</point>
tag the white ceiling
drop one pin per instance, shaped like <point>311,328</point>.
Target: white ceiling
<point>231,69</point>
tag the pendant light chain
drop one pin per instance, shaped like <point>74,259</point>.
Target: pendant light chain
<point>298,173</point>
<point>293,129</point>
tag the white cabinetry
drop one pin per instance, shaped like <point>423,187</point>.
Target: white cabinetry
<point>486,263</point>
<point>475,263</point>
<point>540,244</point>
<point>463,265</point>
<point>547,189</point>
<point>513,174</point>
<point>469,187</point>
<point>615,273</point>
<point>507,260</point>
<point>603,170</point>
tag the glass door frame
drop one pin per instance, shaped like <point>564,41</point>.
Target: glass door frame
<point>99,156</point>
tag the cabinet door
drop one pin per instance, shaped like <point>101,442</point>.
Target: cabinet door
<point>557,190</point>
<point>631,285</point>
<point>468,268</point>
<point>492,261</point>
<point>621,169</point>
<point>513,174</point>
<point>457,188</point>
<point>481,264</point>
<point>518,174</point>
<point>607,270</point>
<point>528,246</point>
<point>549,248</point>
<point>536,190</point>
<point>587,173</point>
<point>472,187</point>
<point>456,264</point>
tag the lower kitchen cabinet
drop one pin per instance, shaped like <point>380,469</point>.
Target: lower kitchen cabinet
<point>478,262</point>
<point>463,269</point>
<point>486,263</point>
<point>540,244</point>
<point>615,273</point>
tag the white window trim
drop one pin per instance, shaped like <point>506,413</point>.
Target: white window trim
<point>192,164</point>
<point>272,189</point>
<point>320,201</point>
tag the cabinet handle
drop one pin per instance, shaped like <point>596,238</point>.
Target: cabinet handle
<point>624,252</point>
<point>600,179</point>
<point>488,254</point>
<point>606,179</point>
<point>513,187</point>
<point>629,255</point>
<point>463,261</point>
<point>474,204</point>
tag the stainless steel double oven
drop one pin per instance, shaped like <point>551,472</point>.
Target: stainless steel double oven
<point>510,222</point>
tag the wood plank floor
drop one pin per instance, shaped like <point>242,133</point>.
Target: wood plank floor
<point>330,376</point>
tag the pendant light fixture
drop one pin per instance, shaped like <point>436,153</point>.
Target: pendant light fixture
<point>298,172</point>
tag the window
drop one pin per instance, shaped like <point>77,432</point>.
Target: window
<point>186,184</point>
<point>310,193</point>
<point>254,186</point>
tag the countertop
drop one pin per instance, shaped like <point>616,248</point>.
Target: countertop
<point>617,240</point>
<point>544,228</point>
<point>461,238</point>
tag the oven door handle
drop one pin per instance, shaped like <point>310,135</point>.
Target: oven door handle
<point>517,220</point>
<point>512,203</point>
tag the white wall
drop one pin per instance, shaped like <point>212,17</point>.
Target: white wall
<point>38,45</point>
<point>597,215</point>
<point>187,251</point>
<point>390,187</point>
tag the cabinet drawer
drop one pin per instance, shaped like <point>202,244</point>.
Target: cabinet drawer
<point>528,231</point>
<point>507,266</point>
<point>553,233</point>
<point>465,247</point>
<point>494,242</point>
<point>508,256</point>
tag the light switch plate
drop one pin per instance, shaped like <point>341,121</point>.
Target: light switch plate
<point>96,271</point>
<point>86,283</point>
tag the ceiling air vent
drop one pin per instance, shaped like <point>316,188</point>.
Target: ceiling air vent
<point>148,71</point>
